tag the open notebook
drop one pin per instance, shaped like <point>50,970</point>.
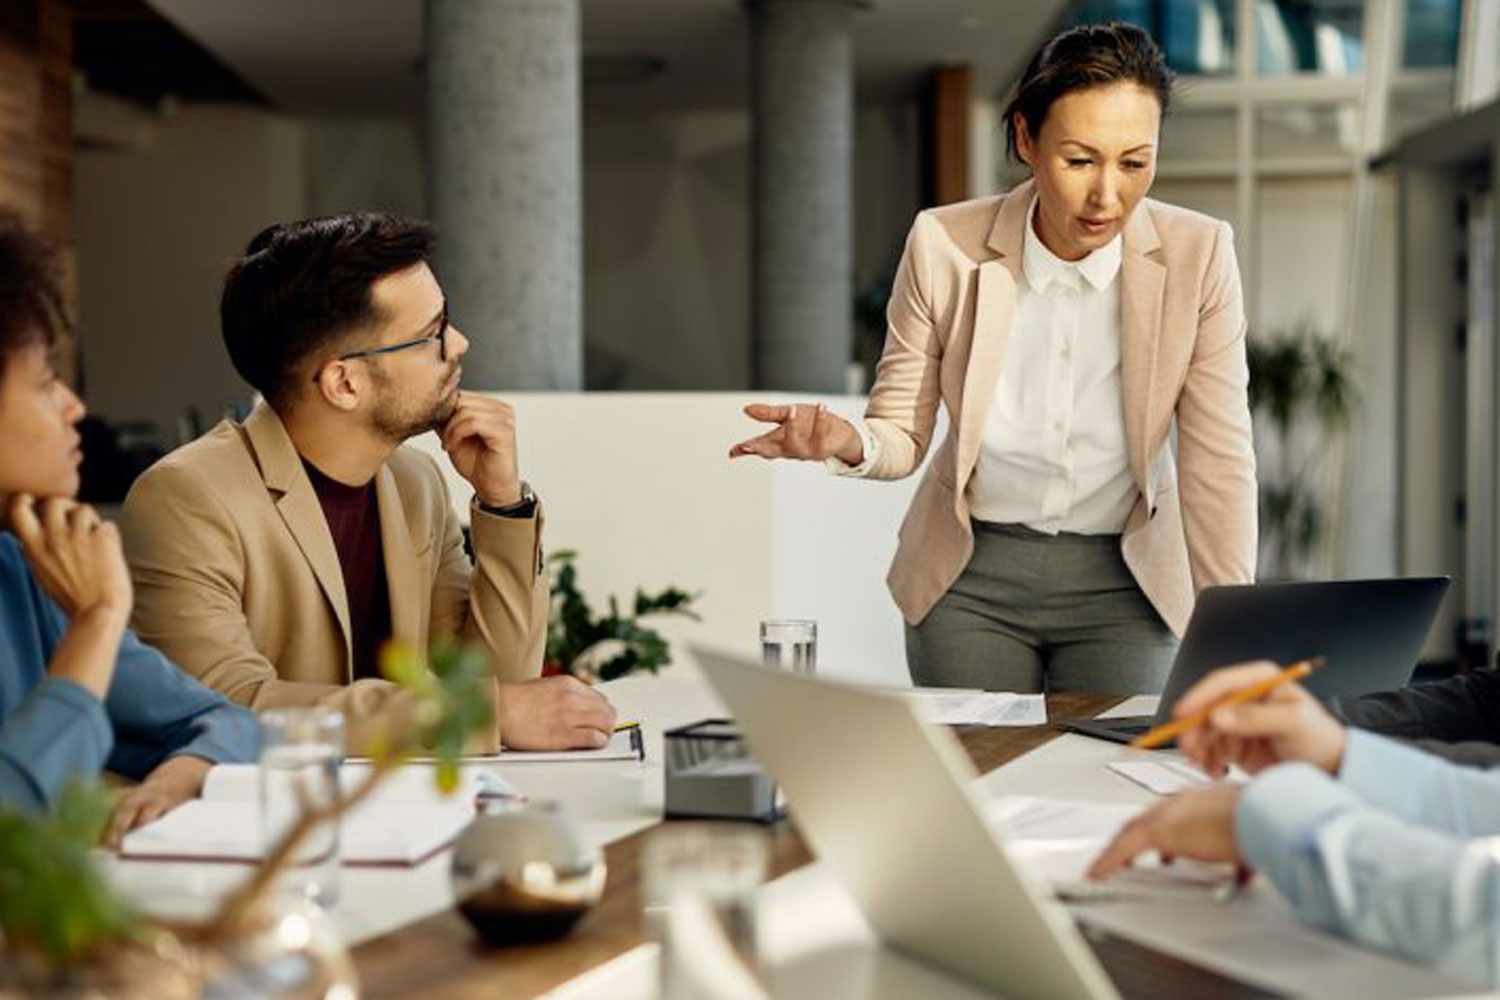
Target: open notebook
<point>625,744</point>
<point>406,820</point>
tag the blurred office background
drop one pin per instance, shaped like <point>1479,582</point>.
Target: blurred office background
<point>675,204</point>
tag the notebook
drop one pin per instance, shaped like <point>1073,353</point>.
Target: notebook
<point>625,744</point>
<point>405,821</point>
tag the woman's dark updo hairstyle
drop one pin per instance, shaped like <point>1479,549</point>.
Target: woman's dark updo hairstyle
<point>1090,55</point>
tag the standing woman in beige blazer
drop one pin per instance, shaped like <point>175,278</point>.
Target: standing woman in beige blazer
<point>1058,537</point>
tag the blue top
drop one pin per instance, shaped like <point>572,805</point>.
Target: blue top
<point>1401,851</point>
<point>53,730</point>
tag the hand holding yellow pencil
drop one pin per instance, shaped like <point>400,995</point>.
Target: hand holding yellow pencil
<point>1249,692</point>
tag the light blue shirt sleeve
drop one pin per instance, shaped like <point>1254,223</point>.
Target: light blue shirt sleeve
<point>1400,853</point>
<point>1419,787</point>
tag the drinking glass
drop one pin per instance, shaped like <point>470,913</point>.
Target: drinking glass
<point>301,749</point>
<point>698,883</point>
<point>790,644</point>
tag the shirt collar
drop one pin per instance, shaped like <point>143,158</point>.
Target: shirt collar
<point>1042,266</point>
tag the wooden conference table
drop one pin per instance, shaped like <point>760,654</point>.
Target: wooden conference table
<point>440,957</point>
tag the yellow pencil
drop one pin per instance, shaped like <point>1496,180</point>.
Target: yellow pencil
<point>621,727</point>
<point>1171,730</point>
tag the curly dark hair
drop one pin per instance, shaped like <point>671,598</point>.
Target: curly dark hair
<point>302,285</point>
<point>32,308</point>
<point>1090,55</point>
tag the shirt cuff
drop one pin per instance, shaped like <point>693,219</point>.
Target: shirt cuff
<point>523,509</point>
<point>871,445</point>
<point>1385,773</point>
<point>1280,812</point>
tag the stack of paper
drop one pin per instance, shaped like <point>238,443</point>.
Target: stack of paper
<point>1166,775</point>
<point>963,707</point>
<point>404,821</point>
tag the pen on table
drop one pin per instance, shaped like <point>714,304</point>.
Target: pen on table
<point>637,738</point>
<point>1171,730</point>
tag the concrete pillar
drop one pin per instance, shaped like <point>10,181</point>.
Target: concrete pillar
<point>802,85</point>
<point>504,183</point>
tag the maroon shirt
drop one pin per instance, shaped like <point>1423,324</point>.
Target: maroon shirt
<point>353,516</point>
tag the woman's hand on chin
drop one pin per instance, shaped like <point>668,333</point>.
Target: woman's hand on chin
<point>75,555</point>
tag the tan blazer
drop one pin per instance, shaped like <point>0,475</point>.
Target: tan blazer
<point>1182,355</point>
<point>237,579</point>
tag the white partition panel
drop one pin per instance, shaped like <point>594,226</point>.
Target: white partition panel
<point>641,486</point>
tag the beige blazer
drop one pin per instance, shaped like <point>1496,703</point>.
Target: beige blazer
<point>237,579</point>
<point>1182,357</point>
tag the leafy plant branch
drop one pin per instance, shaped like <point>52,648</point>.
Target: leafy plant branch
<point>615,644</point>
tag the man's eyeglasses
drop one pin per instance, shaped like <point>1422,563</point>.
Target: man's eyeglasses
<point>441,337</point>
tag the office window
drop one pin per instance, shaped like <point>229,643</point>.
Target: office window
<point>1305,131</point>
<point>1309,36</point>
<point>1431,34</point>
<point>1302,260</point>
<point>1417,102</point>
<point>1197,36</point>
<point>1199,134</point>
<point>1211,196</point>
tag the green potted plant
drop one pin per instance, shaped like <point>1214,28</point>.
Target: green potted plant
<point>66,932</point>
<point>611,645</point>
<point>1302,388</point>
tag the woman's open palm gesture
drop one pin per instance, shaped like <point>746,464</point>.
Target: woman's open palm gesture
<point>803,430</point>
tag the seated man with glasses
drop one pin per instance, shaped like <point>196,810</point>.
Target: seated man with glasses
<point>273,558</point>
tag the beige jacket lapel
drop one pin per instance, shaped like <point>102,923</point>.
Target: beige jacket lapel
<point>994,307</point>
<point>1142,286</point>
<point>401,571</point>
<point>281,468</point>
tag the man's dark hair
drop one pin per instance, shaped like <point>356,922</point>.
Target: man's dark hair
<point>1090,55</point>
<point>32,310</point>
<point>303,285</point>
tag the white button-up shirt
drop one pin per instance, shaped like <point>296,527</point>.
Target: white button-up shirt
<point>1053,454</point>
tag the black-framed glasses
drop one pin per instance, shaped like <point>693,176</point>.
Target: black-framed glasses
<point>441,337</point>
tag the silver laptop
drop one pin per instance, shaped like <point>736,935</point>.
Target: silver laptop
<point>885,802</point>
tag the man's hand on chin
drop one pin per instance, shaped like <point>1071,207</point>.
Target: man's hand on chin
<point>480,439</point>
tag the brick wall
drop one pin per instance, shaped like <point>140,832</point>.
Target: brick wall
<point>36,124</point>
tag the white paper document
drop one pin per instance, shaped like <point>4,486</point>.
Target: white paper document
<point>1057,840</point>
<point>961,707</point>
<point>403,821</point>
<point>1168,776</point>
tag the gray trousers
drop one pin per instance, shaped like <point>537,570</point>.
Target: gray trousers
<point>1036,612</point>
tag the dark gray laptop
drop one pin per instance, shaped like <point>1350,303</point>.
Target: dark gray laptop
<point>1370,632</point>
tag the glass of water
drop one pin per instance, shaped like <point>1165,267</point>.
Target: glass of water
<point>790,644</point>
<point>301,749</point>
<point>698,884</point>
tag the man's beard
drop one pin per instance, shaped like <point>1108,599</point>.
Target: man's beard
<point>396,422</point>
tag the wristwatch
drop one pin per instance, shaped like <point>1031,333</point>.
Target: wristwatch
<point>524,507</point>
